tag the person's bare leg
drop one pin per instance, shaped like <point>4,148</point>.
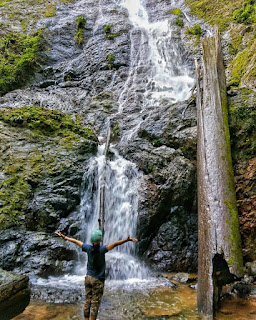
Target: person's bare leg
<point>86,318</point>
<point>93,317</point>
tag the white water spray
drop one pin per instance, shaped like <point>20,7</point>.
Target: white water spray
<point>155,52</point>
<point>168,75</point>
<point>121,209</point>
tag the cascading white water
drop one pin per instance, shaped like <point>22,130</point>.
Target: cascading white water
<point>167,77</point>
<point>121,208</point>
<point>168,74</point>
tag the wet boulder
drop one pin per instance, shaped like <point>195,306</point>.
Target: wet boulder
<point>165,151</point>
<point>250,268</point>
<point>36,253</point>
<point>14,294</point>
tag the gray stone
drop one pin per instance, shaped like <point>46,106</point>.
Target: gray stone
<point>253,268</point>
<point>14,294</point>
<point>36,253</point>
<point>181,277</point>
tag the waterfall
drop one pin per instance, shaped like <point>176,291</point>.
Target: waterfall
<point>158,70</point>
<point>168,75</point>
<point>157,52</point>
<point>121,209</point>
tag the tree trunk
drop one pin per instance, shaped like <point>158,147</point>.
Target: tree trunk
<point>219,245</point>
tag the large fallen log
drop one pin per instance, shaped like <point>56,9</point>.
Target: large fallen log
<point>220,256</point>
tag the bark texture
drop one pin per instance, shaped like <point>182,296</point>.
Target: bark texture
<point>220,254</point>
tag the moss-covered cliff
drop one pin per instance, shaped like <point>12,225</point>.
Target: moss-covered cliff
<point>21,43</point>
<point>38,144</point>
<point>237,19</point>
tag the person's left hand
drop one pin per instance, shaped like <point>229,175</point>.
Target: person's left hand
<point>132,239</point>
<point>61,235</point>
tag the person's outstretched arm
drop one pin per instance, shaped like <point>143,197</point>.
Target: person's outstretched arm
<point>119,243</point>
<point>77,242</point>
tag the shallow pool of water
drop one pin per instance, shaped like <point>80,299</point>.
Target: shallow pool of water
<point>156,299</point>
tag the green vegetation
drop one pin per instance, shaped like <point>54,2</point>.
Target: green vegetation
<point>151,168</point>
<point>50,10</point>
<point>179,22</point>
<point>4,2</point>
<point>67,1</point>
<point>223,12</point>
<point>218,12</point>
<point>243,65</point>
<point>108,34</point>
<point>156,142</point>
<point>110,59</point>
<point>24,24</point>
<point>236,41</point>
<point>47,133</point>
<point>116,130</point>
<point>246,13</point>
<point>44,121</point>
<point>233,15</point>
<point>20,59</point>
<point>242,120</point>
<point>195,30</point>
<point>177,12</point>
<point>236,259</point>
<point>80,26</point>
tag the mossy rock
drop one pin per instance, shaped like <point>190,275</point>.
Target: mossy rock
<point>215,12</point>
<point>20,58</point>
<point>238,17</point>
<point>80,27</point>
<point>177,12</point>
<point>243,67</point>
<point>242,121</point>
<point>109,35</point>
<point>45,121</point>
<point>50,10</point>
<point>40,144</point>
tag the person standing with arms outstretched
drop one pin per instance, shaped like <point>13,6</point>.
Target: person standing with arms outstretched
<point>96,266</point>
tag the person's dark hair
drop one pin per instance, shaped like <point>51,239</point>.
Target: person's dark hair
<point>96,254</point>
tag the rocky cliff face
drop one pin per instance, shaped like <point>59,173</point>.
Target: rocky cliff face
<point>42,166</point>
<point>110,77</point>
<point>242,104</point>
<point>165,151</point>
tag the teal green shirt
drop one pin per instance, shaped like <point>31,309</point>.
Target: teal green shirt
<point>97,271</point>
